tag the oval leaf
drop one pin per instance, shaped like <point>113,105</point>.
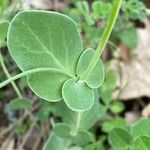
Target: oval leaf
<point>87,118</point>
<point>47,85</point>
<point>142,127</point>
<point>119,138</point>
<point>40,39</point>
<point>83,137</point>
<point>96,78</point>
<point>20,103</point>
<point>77,96</point>
<point>54,143</point>
<point>62,130</point>
<point>141,143</point>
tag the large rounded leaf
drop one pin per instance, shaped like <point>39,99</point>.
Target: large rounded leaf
<point>40,39</point>
<point>47,85</point>
<point>77,96</point>
<point>119,138</point>
<point>141,143</point>
<point>96,78</point>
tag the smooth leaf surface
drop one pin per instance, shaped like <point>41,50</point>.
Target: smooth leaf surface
<point>62,130</point>
<point>116,107</point>
<point>48,85</point>
<point>96,77</point>
<point>87,118</point>
<point>20,103</point>
<point>40,39</point>
<point>77,96</point>
<point>119,138</point>
<point>82,138</point>
<point>75,148</point>
<point>101,9</point>
<point>108,125</point>
<point>3,31</point>
<point>142,127</point>
<point>127,35</point>
<point>54,143</point>
<point>141,143</point>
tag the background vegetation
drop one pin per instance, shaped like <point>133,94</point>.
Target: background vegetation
<point>26,121</point>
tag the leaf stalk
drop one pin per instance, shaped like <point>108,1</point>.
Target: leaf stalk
<point>104,39</point>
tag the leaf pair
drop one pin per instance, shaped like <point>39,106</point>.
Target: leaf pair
<point>40,39</point>
<point>136,137</point>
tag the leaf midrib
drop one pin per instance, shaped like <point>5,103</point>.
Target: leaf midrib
<point>45,49</point>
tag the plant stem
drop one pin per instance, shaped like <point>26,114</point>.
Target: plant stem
<point>9,76</point>
<point>74,132</point>
<point>25,73</point>
<point>104,38</point>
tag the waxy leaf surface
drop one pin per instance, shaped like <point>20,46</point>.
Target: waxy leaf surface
<point>141,143</point>
<point>119,138</point>
<point>40,39</point>
<point>96,77</point>
<point>77,96</point>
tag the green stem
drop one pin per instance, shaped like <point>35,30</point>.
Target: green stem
<point>75,131</point>
<point>9,76</point>
<point>25,73</point>
<point>104,38</point>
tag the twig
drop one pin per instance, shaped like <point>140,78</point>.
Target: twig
<point>6,144</point>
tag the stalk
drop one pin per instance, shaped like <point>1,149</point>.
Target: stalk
<point>104,39</point>
<point>9,76</point>
<point>32,71</point>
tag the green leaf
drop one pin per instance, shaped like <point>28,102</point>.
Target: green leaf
<point>96,78</point>
<point>47,85</point>
<point>110,80</point>
<point>40,39</point>
<point>119,138</point>
<point>126,36</point>
<point>119,148</point>
<point>134,9</point>
<point>83,7</point>
<point>75,148</point>
<point>62,130</point>
<point>44,112</point>
<point>87,118</point>
<point>78,96</point>
<point>20,103</point>
<point>54,143</point>
<point>82,138</point>
<point>89,147</point>
<point>102,110</point>
<point>3,31</point>
<point>142,127</point>
<point>20,128</point>
<point>116,107</point>
<point>141,143</point>
<point>101,9</point>
<point>108,125</point>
